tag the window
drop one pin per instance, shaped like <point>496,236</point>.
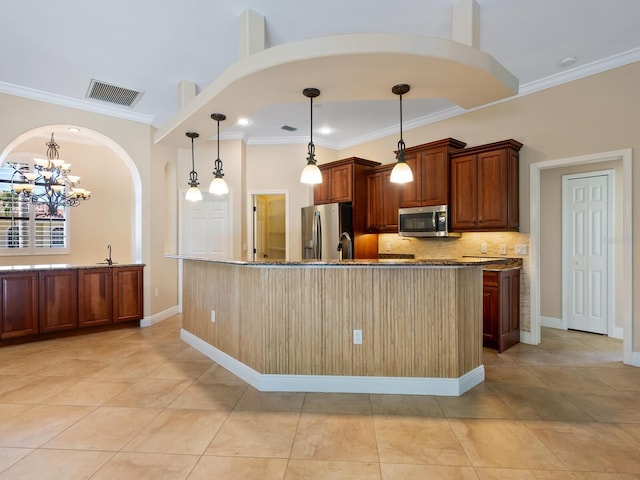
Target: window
<point>28,228</point>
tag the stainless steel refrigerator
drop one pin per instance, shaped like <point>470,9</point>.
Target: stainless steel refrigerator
<point>327,232</point>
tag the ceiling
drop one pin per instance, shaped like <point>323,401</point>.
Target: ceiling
<point>52,50</point>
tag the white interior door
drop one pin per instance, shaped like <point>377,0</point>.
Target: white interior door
<point>205,227</point>
<point>586,253</point>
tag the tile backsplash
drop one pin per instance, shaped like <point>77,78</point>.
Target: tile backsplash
<point>497,244</point>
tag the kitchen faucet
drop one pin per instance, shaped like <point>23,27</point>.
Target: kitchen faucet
<point>108,259</point>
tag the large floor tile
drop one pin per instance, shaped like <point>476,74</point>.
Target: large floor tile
<point>519,474</point>
<point>418,440</point>
<point>46,464</point>
<point>335,437</point>
<point>209,397</point>
<point>338,403</point>
<point>147,466</point>
<point>567,379</point>
<point>625,378</point>
<point>150,392</point>
<point>504,443</point>
<point>256,401</point>
<point>237,468</point>
<point>179,432</point>
<point>591,447</point>
<point>475,404</point>
<point>10,456</point>
<point>322,470</point>
<point>256,434</point>
<point>39,424</point>
<point>610,406</point>
<point>37,389</point>
<point>440,472</point>
<point>535,403</point>
<point>406,405</point>
<point>107,428</point>
<point>90,392</point>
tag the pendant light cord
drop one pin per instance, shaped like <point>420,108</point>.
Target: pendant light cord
<point>401,144</point>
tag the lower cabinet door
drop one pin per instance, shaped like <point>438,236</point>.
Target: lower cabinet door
<point>18,304</point>
<point>95,297</point>
<point>127,294</point>
<point>58,302</point>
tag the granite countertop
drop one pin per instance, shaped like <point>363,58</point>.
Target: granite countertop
<point>63,266</point>
<point>386,262</point>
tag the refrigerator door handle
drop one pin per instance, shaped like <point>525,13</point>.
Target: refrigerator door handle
<point>319,237</point>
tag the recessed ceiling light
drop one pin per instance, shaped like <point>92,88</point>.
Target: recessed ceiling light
<point>74,130</point>
<point>568,61</point>
<point>325,130</point>
<point>243,121</point>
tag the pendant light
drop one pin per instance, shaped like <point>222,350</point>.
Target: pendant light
<point>311,173</point>
<point>401,172</point>
<point>193,193</point>
<point>218,186</point>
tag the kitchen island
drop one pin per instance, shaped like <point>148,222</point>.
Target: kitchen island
<point>294,326</point>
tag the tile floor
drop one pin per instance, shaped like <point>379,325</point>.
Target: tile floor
<point>141,404</point>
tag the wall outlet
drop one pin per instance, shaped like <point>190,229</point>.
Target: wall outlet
<point>521,249</point>
<point>213,316</point>
<point>483,247</point>
<point>156,292</point>
<point>503,249</point>
<point>357,337</point>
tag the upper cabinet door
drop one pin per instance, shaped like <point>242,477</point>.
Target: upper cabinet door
<point>492,189</point>
<point>341,183</point>
<point>435,177</point>
<point>411,193</point>
<point>464,193</point>
<point>322,191</point>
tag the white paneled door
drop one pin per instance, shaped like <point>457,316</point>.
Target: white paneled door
<point>586,226</point>
<point>204,227</point>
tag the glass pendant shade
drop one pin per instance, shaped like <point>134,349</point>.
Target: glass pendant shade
<point>401,173</point>
<point>218,186</point>
<point>193,194</point>
<point>311,175</point>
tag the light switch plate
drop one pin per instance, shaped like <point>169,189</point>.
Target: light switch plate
<point>521,249</point>
<point>483,247</point>
<point>503,249</point>
<point>357,337</point>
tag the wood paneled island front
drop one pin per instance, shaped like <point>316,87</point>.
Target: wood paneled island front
<point>289,326</point>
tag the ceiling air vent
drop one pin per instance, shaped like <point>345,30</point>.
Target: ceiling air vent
<point>107,92</point>
<point>288,128</point>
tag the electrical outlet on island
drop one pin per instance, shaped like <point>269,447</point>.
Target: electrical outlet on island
<point>503,249</point>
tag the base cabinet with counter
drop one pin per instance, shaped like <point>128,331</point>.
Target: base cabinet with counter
<point>35,302</point>
<point>500,308</point>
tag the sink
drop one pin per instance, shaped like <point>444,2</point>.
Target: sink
<point>106,263</point>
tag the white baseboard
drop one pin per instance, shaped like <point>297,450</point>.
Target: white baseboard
<point>551,322</point>
<point>337,384</point>
<point>616,332</point>
<point>526,337</point>
<point>158,317</point>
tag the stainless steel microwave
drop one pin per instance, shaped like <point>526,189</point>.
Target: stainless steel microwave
<point>432,221</point>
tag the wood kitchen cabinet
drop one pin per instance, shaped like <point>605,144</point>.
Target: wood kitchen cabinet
<point>95,297</point>
<point>382,200</point>
<point>484,187</point>
<point>58,300</point>
<point>344,181</point>
<point>429,163</point>
<point>18,304</point>
<point>341,180</point>
<point>37,302</point>
<point>127,294</point>
<point>500,308</point>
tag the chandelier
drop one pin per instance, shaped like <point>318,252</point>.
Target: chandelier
<point>50,183</point>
